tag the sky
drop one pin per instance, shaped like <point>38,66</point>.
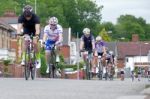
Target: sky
<point>114,8</point>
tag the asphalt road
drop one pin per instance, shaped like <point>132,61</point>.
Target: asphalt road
<point>18,88</point>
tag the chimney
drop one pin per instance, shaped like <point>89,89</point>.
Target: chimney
<point>135,37</point>
<point>10,13</point>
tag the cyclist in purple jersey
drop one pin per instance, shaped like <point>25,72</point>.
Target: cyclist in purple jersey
<point>100,50</point>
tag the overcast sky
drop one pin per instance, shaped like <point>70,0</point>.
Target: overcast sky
<point>114,8</point>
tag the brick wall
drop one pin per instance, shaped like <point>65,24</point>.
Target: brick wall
<point>120,63</point>
<point>14,70</point>
<point>14,45</point>
<point>65,51</point>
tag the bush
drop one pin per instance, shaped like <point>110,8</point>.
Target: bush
<point>43,64</point>
<point>6,63</point>
<point>63,66</point>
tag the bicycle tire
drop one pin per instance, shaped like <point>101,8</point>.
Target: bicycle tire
<point>100,71</point>
<point>87,70</point>
<point>33,67</point>
<point>53,61</point>
<point>27,63</point>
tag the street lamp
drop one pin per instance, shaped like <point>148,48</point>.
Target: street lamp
<point>35,6</point>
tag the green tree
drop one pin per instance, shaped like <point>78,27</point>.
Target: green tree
<point>76,14</point>
<point>128,25</point>
<point>147,32</point>
<point>104,35</point>
<point>73,13</point>
<point>8,5</point>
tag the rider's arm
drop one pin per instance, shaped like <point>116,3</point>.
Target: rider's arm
<point>37,25</point>
<point>60,31</point>
<point>37,28</point>
<point>20,24</point>
<point>81,43</point>
<point>44,37</point>
<point>60,37</point>
<point>19,27</point>
<point>93,43</point>
<point>104,50</point>
<point>46,31</point>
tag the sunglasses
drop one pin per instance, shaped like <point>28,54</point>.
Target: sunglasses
<point>53,24</point>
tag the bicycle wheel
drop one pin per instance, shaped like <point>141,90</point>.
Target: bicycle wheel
<point>33,67</point>
<point>87,71</point>
<point>106,74</point>
<point>51,65</point>
<point>100,71</point>
<point>53,61</point>
<point>27,65</point>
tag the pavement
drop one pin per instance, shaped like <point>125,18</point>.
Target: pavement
<point>44,88</point>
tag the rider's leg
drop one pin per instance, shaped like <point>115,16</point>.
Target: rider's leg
<point>57,51</point>
<point>24,44</point>
<point>37,53</point>
<point>47,57</point>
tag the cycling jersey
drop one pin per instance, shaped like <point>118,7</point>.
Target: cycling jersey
<point>52,35</point>
<point>109,57</point>
<point>99,46</point>
<point>87,42</point>
<point>29,25</point>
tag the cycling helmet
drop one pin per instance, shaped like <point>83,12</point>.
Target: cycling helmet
<point>98,38</point>
<point>27,11</point>
<point>111,52</point>
<point>53,20</point>
<point>86,31</point>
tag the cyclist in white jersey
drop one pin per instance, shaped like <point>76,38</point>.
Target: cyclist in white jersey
<point>52,36</point>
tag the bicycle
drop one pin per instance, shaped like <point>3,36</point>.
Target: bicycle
<point>52,63</point>
<point>111,71</point>
<point>88,59</point>
<point>106,70</point>
<point>100,68</point>
<point>30,57</point>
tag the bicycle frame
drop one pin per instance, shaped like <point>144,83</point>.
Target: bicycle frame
<point>30,62</point>
<point>88,58</point>
<point>52,62</point>
<point>100,68</point>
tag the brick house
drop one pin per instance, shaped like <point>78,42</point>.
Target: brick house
<point>131,54</point>
<point>8,42</point>
<point>6,32</point>
<point>11,18</point>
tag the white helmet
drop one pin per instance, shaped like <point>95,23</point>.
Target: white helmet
<point>53,20</point>
<point>98,38</point>
<point>86,31</point>
<point>111,52</point>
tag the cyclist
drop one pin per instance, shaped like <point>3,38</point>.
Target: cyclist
<point>87,44</point>
<point>110,58</point>
<point>52,36</point>
<point>122,74</point>
<point>30,24</point>
<point>110,63</point>
<point>100,49</point>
